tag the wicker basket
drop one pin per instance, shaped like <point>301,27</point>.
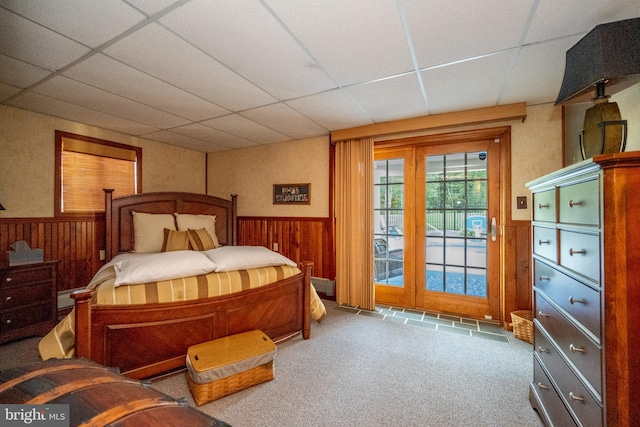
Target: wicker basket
<point>522,321</point>
<point>204,393</point>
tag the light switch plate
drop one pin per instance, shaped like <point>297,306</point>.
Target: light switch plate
<point>521,202</point>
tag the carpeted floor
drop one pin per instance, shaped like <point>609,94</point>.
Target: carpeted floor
<point>358,370</point>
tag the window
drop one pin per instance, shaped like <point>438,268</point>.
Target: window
<point>85,166</point>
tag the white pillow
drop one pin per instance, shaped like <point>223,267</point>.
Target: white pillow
<point>148,231</point>
<point>147,268</point>
<point>196,222</point>
<point>229,258</point>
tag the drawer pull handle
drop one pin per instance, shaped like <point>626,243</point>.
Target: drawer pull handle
<point>544,242</point>
<point>541,206</point>
<point>574,349</point>
<point>543,350</point>
<point>541,314</point>
<point>8,279</point>
<point>574,397</point>
<point>542,278</point>
<point>573,300</point>
<point>543,387</point>
<point>572,203</point>
<point>8,322</point>
<point>8,298</point>
<point>574,252</point>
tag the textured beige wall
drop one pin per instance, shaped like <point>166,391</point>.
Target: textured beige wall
<point>27,157</point>
<point>251,173</point>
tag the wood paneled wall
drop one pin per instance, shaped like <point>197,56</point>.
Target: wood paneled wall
<point>300,239</point>
<point>516,264</point>
<point>76,242</point>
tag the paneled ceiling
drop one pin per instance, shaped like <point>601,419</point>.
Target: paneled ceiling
<point>214,75</point>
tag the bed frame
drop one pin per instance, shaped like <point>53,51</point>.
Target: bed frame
<point>150,340</point>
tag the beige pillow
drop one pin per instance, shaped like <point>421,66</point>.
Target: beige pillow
<point>200,240</point>
<point>148,231</point>
<point>196,222</point>
<point>175,240</point>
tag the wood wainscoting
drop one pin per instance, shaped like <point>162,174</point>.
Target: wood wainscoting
<point>75,241</point>
<point>300,239</point>
<point>516,266</point>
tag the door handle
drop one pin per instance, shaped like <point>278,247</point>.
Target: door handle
<point>493,229</point>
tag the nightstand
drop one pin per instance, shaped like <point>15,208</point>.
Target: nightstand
<point>28,300</point>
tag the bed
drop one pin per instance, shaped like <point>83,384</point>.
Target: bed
<point>126,317</point>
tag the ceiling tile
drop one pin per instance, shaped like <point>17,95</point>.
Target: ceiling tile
<point>240,126</point>
<point>184,141</point>
<point>18,73</point>
<point>281,118</point>
<point>29,42</point>
<point>568,17</point>
<point>260,43</point>
<point>100,22</point>
<point>390,99</point>
<point>7,91</point>
<point>464,28</point>
<point>355,41</point>
<point>332,110</point>
<point>151,7</point>
<point>208,134</point>
<point>482,80</point>
<point>538,72</point>
<point>156,51</point>
<point>53,107</point>
<point>74,92</point>
<point>115,77</point>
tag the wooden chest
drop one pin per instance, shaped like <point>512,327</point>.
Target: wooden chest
<point>97,396</point>
<point>226,365</point>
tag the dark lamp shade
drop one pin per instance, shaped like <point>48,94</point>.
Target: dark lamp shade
<point>609,53</point>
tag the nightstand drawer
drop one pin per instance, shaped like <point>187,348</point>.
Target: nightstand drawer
<point>21,277</point>
<point>581,253</point>
<point>583,353</point>
<point>580,203</point>
<point>577,299</point>
<point>14,297</point>
<point>545,242</point>
<point>544,206</point>
<point>26,316</point>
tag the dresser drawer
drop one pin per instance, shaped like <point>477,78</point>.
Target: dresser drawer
<point>13,297</point>
<point>544,206</point>
<point>577,299</point>
<point>580,203</point>
<point>585,408</point>
<point>580,252</point>
<point>549,397</point>
<point>545,242</point>
<point>22,317</point>
<point>583,353</point>
<point>21,277</point>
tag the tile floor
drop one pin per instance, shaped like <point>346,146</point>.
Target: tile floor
<point>439,322</point>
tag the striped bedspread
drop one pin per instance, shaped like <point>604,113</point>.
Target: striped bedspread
<point>59,342</point>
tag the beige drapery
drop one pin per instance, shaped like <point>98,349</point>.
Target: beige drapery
<point>354,223</point>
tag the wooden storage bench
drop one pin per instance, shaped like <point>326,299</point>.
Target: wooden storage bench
<point>226,365</point>
<point>97,396</point>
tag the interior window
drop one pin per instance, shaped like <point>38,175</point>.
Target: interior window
<point>85,166</point>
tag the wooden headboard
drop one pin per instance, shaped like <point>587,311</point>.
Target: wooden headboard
<point>119,219</point>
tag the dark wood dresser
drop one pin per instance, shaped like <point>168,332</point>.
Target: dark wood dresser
<point>28,300</point>
<point>586,293</point>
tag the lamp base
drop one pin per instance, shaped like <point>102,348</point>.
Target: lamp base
<point>603,131</point>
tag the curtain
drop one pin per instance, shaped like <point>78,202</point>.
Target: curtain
<point>354,223</point>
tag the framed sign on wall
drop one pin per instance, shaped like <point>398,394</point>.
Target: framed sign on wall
<point>291,194</point>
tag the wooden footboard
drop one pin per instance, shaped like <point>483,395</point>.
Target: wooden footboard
<point>148,340</point>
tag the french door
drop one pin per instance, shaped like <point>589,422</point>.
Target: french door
<point>436,239</point>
